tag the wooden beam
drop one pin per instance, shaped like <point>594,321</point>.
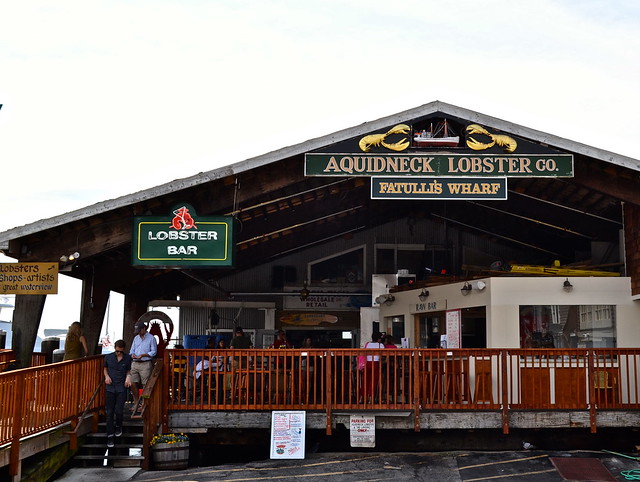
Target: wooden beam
<point>26,321</point>
<point>95,296</point>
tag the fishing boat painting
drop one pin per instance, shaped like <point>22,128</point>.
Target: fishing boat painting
<point>435,136</point>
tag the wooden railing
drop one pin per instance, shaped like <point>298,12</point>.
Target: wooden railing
<point>150,409</point>
<point>413,379</point>
<point>39,398</point>
<point>8,359</point>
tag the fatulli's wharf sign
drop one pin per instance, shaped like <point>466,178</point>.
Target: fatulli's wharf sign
<point>439,188</point>
<point>183,239</point>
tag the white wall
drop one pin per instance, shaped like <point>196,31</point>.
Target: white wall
<point>504,295</point>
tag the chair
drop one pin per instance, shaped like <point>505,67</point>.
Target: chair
<point>483,392</point>
<point>605,384</point>
<point>180,365</point>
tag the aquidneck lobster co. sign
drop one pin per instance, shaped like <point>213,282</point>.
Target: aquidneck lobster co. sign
<point>183,239</point>
<point>550,165</point>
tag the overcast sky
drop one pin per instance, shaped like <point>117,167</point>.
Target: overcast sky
<point>105,98</point>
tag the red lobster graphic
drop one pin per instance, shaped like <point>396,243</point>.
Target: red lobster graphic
<point>182,219</point>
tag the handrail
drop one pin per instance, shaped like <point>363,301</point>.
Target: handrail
<point>139,409</point>
<point>150,405</point>
<point>73,435</point>
<point>31,399</point>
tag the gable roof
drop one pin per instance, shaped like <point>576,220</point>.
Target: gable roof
<point>281,211</point>
<point>435,107</point>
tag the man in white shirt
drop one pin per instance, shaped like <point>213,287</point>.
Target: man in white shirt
<point>143,349</point>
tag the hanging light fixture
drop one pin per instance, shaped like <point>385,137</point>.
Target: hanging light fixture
<point>424,294</point>
<point>567,286</point>
<point>304,292</point>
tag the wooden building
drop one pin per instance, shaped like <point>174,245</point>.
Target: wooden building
<point>308,227</point>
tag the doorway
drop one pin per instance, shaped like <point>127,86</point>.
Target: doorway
<point>431,326</point>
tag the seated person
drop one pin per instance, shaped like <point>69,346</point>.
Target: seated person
<point>202,366</point>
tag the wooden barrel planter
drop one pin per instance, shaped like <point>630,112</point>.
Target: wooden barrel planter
<point>170,456</point>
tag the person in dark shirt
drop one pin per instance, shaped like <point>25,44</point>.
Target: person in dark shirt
<point>117,378</point>
<point>242,342</point>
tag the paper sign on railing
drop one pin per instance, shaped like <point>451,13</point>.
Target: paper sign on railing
<point>287,434</point>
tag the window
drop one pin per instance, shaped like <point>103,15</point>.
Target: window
<point>417,259</point>
<point>346,268</point>
<point>568,326</point>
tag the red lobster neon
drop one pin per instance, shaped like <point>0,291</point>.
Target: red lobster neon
<point>182,219</point>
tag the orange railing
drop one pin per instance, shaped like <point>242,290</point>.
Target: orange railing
<point>8,359</point>
<point>415,379</point>
<point>39,398</point>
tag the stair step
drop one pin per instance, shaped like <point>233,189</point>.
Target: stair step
<point>139,435</point>
<point>127,451</point>
<point>104,446</point>
<point>109,457</point>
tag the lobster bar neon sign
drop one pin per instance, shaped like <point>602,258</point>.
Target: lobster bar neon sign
<point>183,239</point>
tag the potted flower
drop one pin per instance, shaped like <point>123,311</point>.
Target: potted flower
<point>170,451</point>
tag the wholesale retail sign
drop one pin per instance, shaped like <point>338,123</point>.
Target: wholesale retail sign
<point>28,278</point>
<point>182,239</point>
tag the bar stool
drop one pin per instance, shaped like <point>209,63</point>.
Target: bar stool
<point>240,386</point>
<point>456,383</point>
<point>483,392</point>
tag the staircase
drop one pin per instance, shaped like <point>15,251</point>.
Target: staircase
<point>127,452</point>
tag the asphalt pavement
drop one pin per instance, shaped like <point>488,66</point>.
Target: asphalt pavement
<point>526,465</point>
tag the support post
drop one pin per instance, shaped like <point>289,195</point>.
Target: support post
<point>95,296</point>
<point>26,321</point>
<point>505,391</point>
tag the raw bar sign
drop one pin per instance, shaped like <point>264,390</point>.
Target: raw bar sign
<point>439,188</point>
<point>183,239</point>
<point>556,165</point>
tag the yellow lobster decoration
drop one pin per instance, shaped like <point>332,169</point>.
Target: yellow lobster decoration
<point>509,144</point>
<point>374,140</point>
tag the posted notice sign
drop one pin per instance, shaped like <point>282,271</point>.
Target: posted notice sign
<point>362,430</point>
<point>287,434</point>
<point>454,325</point>
<point>28,278</point>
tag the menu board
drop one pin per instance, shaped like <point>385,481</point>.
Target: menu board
<point>453,328</point>
<point>287,434</point>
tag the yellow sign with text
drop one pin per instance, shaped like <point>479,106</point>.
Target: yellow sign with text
<point>28,278</point>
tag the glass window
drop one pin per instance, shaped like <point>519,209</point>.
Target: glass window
<point>397,328</point>
<point>418,259</point>
<point>568,326</point>
<point>345,268</point>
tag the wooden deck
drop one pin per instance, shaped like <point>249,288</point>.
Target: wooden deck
<point>405,388</point>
